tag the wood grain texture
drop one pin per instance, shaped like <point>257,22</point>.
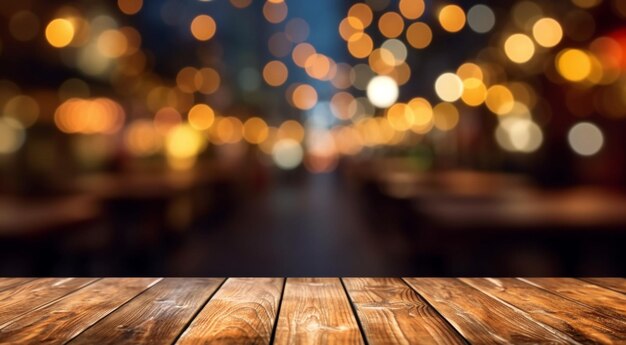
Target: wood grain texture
<point>581,323</point>
<point>25,297</point>
<point>157,316</point>
<point>243,311</point>
<point>482,319</point>
<point>7,283</point>
<point>602,299</point>
<point>316,311</point>
<point>63,320</point>
<point>391,312</point>
<point>616,284</point>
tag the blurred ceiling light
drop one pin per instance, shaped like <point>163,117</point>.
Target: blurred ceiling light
<point>585,138</point>
<point>382,91</point>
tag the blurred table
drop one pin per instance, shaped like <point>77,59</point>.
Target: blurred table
<point>312,310</point>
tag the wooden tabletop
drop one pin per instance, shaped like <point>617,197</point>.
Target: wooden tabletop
<point>312,310</point>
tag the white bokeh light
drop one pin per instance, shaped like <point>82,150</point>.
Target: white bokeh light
<point>382,91</point>
<point>585,138</point>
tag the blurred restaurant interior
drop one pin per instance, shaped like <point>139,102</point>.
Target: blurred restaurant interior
<point>312,138</point>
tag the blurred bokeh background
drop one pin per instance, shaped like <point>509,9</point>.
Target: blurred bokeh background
<point>326,137</point>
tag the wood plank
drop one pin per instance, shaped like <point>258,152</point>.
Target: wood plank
<point>580,322</point>
<point>482,319</point>
<point>391,312</point>
<point>616,284</point>
<point>316,311</point>
<point>24,298</point>
<point>242,311</point>
<point>602,299</point>
<point>157,316</point>
<point>7,283</point>
<point>63,320</point>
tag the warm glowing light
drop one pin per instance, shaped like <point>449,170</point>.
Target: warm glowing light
<point>130,7</point>
<point>142,139</point>
<point>519,135</point>
<point>112,43</point>
<point>291,129</point>
<point>585,138</point>
<point>89,116</point>
<point>499,99</point>
<point>182,145</point>
<point>519,48</point>
<point>255,130</point>
<point>301,53</point>
<point>23,109</point>
<point>165,119</point>
<point>275,73</point>
<point>208,80</point>
<point>449,87</point>
<point>60,32</point>
<point>360,45</point>
<point>547,32</point>
<point>201,117</point>
<point>12,136</point>
<point>400,116</point>
<point>452,18</point>
<point>411,9</point>
<point>469,70</point>
<point>340,105</point>
<point>445,116</point>
<point>382,91</point>
<point>419,35</point>
<point>287,154</point>
<point>203,27</point>
<point>422,111</point>
<point>304,97</point>
<point>474,92</point>
<point>361,12</point>
<point>241,3</point>
<point>391,24</point>
<point>573,64</point>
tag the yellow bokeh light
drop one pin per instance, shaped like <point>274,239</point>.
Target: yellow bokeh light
<point>469,70</point>
<point>574,64</point>
<point>60,32</point>
<point>445,116</point>
<point>519,48</point>
<point>452,18</point>
<point>201,117</point>
<point>255,130</point>
<point>275,73</point>
<point>400,116</point>
<point>391,24</point>
<point>291,129</point>
<point>182,145</point>
<point>499,99</point>
<point>411,9</point>
<point>203,27</point>
<point>422,111</point>
<point>474,92</point>
<point>547,32</point>
<point>112,43</point>
<point>419,35</point>
<point>449,87</point>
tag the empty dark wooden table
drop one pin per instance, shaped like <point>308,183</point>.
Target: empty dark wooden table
<point>312,310</point>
